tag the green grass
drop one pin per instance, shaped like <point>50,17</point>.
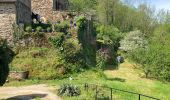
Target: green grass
<point>154,88</point>
<point>125,78</point>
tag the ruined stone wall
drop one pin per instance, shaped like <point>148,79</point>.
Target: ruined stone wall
<point>45,9</point>
<point>23,11</point>
<point>7,19</point>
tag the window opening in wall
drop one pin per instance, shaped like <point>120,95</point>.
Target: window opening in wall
<point>60,5</point>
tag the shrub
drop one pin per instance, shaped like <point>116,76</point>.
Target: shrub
<point>69,90</point>
<point>42,63</point>
<point>61,27</point>
<point>101,60</point>
<point>44,26</point>
<point>39,28</point>
<point>133,40</point>
<point>108,38</point>
<point>18,33</point>
<point>154,61</point>
<point>57,40</point>
<point>28,29</point>
<point>49,29</point>
<point>71,50</point>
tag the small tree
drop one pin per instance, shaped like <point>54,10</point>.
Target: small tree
<point>132,41</point>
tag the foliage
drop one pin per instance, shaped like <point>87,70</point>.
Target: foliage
<point>82,6</point>
<point>61,27</point>
<point>71,48</point>
<point>18,32</point>
<point>126,17</point>
<point>72,55</point>
<point>69,90</point>
<point>133,40</point>
<point>101,60</point>
<point>42,63</point>
<point>154,59</point>
<point>86,36</point>
<point>49,29</point>
<point>38,29</point>
<point>108,38</point>
<point>28,29</point>
<point>57,40</point>
<point>34,26</point>
<point>108,35</point>
<point>6,56</point>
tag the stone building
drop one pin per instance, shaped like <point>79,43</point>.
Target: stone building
<point>13,12</point>
<point>52,10</point>
<point>19,11</point>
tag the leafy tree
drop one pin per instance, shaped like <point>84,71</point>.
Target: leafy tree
<point>82,5</point>
<point>155,59</point>
<point>133,40</point>
<point>108,38</point>
<point>105,11</point>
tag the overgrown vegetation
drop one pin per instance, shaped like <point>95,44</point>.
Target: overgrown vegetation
<point>102,30</point>
<point>69,90</point>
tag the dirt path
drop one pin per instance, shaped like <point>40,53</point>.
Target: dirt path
<point>28,93</point>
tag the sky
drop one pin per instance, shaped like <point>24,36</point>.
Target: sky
<point>160,4</point>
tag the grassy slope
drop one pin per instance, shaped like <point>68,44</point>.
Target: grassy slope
<point>126,78</point>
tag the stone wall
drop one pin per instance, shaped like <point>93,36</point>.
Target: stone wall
<point>13,13</point>
<point>23,11</point>
<point>7,19</point>
<point>45,9</point>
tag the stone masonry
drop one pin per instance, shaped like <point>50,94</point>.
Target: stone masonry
<point>7,18</point>
<point>47,9</point>
<point>13,12</point>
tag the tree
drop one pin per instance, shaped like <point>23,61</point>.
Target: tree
<point>108,38</point>
<point>155,59</point>
<point>82,5</point>
<point>6,56</point>
<point>133,40</point>
<point>105,11</point>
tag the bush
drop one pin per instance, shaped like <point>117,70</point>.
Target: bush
<point>34,26</point>
<point>71,49</point>
<point>57,40</point>
<point>49,29</point>
<point>69,90</point>
<point>28,29</point>
<point>133,40</point>
<point>108,38</point>
<point>39,28</point>
<point>42,63</point>
<point>154,61</point>
<point>101,60</point>
<point>61,27</point>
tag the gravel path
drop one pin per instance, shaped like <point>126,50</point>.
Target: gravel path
<point>28,93</point>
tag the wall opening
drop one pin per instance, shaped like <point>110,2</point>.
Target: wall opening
<point>60,5</point>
